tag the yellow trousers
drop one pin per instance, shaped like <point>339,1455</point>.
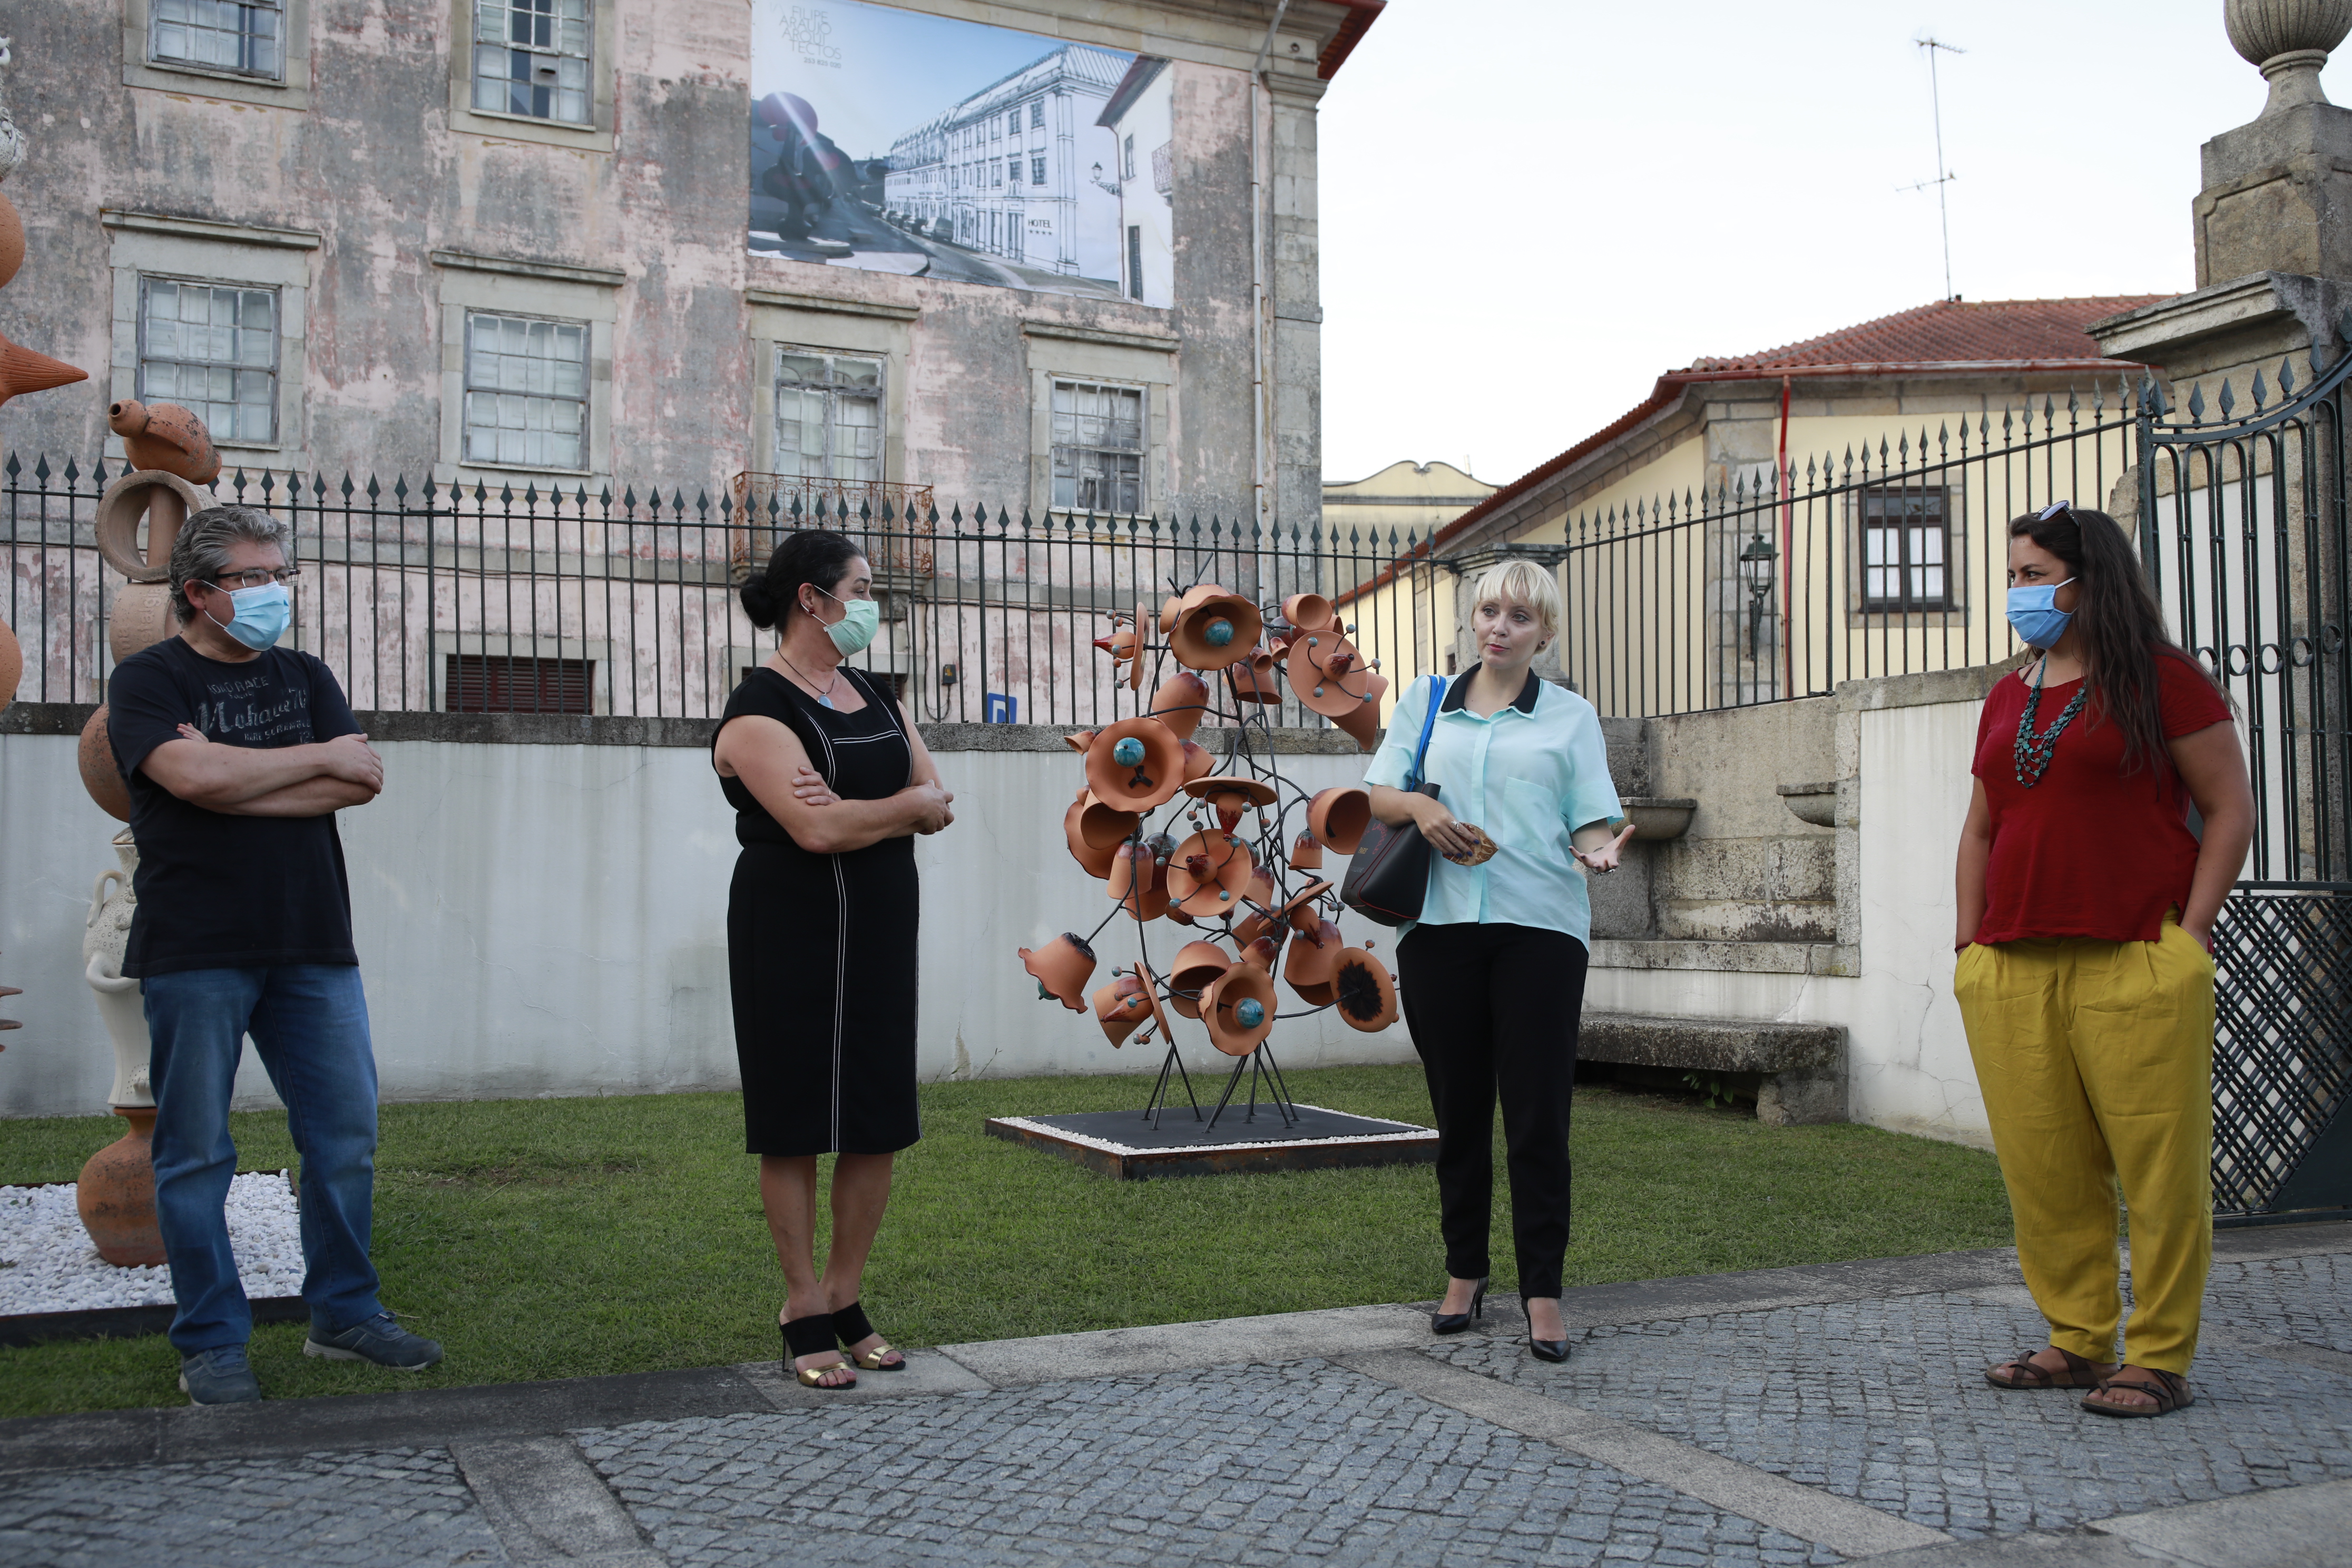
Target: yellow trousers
<point>2095,1060</point>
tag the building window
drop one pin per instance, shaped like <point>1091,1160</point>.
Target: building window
<point>828,416</point>
<point>514,683</point>
<point>1012,124</point>
<point>1036,170</point>
<point>212,348</point>
<point>1905,545</point>
<point>1037,115</point>
<point>1135,261</point>
<point>999,172</point>
<point>530,57</point>
<point>1126,169</point>
<point>249,39</point>
<point>1097,448</point>
<point>526,391</point>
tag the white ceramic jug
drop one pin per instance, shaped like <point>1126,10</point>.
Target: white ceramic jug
<point>107,933</point>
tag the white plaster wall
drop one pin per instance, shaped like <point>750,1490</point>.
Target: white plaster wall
<point>551,921</point>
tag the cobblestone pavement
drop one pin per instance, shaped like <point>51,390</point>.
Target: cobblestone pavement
<point>1307,1462</point>
<point>356,1509</point>
<point>1884,1402</point>
<point>2304,1301</point>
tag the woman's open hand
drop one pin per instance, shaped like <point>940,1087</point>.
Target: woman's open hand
<point>1440,827</point>
<point>1605,856</point>
<point>810,788</point>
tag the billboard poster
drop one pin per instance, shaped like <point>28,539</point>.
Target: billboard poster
<point>893,142</point>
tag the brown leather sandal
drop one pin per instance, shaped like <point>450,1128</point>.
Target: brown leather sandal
<point>2170,1391</point>
<point>2023,1374</point>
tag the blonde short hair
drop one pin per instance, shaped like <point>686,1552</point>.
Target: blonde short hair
<point>1525,582</point>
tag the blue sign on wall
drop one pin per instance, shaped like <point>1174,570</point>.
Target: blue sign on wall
<point>998,708</point>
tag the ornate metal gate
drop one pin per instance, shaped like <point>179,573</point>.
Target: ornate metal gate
<point>2245,529</point>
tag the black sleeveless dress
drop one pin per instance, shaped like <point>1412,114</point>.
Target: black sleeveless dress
<point>821,948</point>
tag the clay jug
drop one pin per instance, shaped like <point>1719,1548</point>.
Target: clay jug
<point>140,618</point>
<point>117,1194</point>
<point>12,665</point>
<point>99,776</point>
<point>23,371</point>
<point>165,437</point>
<point>106,933</point>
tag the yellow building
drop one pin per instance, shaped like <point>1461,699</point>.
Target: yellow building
<point>1370,523</point>
<point>1766,525</point>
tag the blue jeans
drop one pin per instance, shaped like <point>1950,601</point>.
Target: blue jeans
<point>310,1025</point>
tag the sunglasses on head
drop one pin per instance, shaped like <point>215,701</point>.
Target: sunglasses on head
<point>2055,508</point>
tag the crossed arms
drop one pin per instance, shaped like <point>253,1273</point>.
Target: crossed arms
<point>283,781</point>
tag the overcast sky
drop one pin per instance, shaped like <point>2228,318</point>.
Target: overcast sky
<point>1531,207</point>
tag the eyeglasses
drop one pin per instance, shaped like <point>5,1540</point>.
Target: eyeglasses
<point>257,578</point>
<point>2053,509</point>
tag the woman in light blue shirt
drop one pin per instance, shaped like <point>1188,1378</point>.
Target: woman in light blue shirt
<point>1493,974</point>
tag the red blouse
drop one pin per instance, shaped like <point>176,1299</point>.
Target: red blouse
<point>2089,851</point>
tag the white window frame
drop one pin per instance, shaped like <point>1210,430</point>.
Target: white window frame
<point>879,395</point>
<point>1139,454</point>
<point>291,89</point>
<point>783,322</point>
<point>475,317</point>
<point>1861,613</point>
<point>148,393</point>
<point>505,286</point>
<point>1057,350</point>
<point>596,136</point>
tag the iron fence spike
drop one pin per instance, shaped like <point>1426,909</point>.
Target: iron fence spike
<point>2073,403</point>
<point>2197,404</point>
<point>2286,376</point>
<point>14,467</point>
<point>41,468</point>
<point>2228,400</point>
<point>2258,391</point>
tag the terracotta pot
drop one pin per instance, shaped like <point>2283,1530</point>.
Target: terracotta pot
<point>1229,796</point>
<point>1085,823</point>
<point>1253,677</point>
<point>1338,816</point>
<point>12,665</point>
<point>1144,895</point>
<point>1121,1008</point>
<point>1366,994</point>
<point>1260,950</point>
<point>1181,702</point>
<point>1061,967</point>
<point>1299,913</point>
<point>99,776</point>
<point>1209,873</point>
<point>1211,632</point>
<point>23,371</point>
<point>11,241</point>
<point>1307,612</point>
<point>163,499</point>
<point>1363,725</point>
<point>167,436</point>
<point>1327,673</point>
<point>1136,764</point>
<point>1151,994</point>
<point>1198,761</point>
<point>140,618</point>
<point>1197,964</point>
<point>1079,741</point>
<point>1170,608</point>
<point>116,1194</point>
<point>1239,1007</point>
<point>1307,851</point>
<point>1314,960</point>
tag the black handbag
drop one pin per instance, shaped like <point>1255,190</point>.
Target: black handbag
<point>1388,876</point>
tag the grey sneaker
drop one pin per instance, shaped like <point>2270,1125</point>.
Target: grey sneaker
<point>219,1376</point>
<point>381,1340</point>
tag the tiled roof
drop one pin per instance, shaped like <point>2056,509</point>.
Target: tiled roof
<point>1952,331</point>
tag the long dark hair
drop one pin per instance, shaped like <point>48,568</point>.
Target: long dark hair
<point>2122,625</point>
<point>815,555</point>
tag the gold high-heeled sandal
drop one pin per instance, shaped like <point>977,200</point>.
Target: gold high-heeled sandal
<point>849,1326</point>
<point>813,1335</point>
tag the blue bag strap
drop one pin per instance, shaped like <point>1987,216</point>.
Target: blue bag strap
<point>1428,722</point>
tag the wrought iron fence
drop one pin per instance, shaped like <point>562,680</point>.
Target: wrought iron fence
<point>425,597</point>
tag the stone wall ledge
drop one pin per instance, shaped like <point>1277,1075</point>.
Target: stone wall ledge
<point>1730,957</point>
<point>1925,690</point>
<point>1709,1045</point>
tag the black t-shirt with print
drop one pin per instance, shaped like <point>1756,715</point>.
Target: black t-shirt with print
<point>217,891</point>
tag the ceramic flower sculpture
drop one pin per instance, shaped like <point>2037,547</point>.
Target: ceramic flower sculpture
<point>1231,852</point>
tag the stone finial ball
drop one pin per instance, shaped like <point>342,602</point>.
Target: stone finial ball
<point>1220,632</point>
<point>1129,753</point>
<point>2263,29</point>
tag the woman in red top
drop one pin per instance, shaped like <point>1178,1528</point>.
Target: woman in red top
<point>2086,975</point>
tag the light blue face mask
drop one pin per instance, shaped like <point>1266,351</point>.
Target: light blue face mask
<point>2034,610</point>
<point>261,615</point>
<point>860,619</point>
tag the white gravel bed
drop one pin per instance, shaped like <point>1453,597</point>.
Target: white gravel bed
<point>47,1263</point>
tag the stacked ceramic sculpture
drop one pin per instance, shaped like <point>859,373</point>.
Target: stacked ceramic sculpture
<point>21,370</point>
<point>1234,853</point>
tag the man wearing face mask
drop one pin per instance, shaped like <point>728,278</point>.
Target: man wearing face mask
<point>239,753</point>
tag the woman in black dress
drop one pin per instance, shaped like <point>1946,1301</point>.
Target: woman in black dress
<point>829,784</point>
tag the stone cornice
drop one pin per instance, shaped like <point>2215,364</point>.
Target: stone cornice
<point>518,267</point>
<point>1069,333</point>
<point>210,230</point>
<point>782,299</point>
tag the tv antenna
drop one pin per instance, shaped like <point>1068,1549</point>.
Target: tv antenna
<point>1943,176</point>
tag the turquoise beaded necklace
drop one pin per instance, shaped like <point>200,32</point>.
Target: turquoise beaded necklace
<point>2032,752</point>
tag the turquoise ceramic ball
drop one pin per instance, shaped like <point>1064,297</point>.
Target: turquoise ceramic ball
<point>1129,753</point>
<point>1250,1012</point>
<point>1218,633</point>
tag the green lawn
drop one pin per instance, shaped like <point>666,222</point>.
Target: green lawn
<point>565,1238</point>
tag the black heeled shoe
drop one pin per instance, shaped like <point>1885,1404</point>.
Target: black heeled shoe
<point>1545,1349</point>
<point>1455,1322</point>
<point>813,1335</point>
<point>850,1325</point>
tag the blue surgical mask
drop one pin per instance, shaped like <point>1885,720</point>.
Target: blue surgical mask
<point>860,619</point>
<point>261,615</point>
<point>2034,613</point>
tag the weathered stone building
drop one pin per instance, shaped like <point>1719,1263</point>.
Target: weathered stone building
<point>507,242</point>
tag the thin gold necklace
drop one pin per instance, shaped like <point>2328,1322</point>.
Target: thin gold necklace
<point>824,697</point>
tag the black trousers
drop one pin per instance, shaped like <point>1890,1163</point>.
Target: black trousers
<point>1495,1007</point>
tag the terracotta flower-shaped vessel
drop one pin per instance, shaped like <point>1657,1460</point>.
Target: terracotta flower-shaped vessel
<point>1135,764</point>
<point>1298,912</point>
<point>1139,881</point>
<point>1120,1007</point>
<point>1260,950</point>
<point>1314,960</point>
<point>1199,764</point>
<point>1061,968</point>
<point>1253,678</point>
<point>1366,993</point>
<point>1229,796</point>
<point>1238,1007</point>
<point>1122,641</point>
<point>1338,816</point>
<point>1095,832</point>
<point>1195,965</point>
<point>1209,873</point>
<point>1214,631</point>
<point>1307,612</point>
<point>1079,741</point>
<point>1307,851</point>
<point>1327,674</point>
<point>1362,724</point>
<point>1181,703</point>
<point>1151,995</point>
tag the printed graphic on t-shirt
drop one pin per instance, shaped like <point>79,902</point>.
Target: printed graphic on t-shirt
<point>256,709</point>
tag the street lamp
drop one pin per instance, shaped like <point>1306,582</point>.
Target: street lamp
<point>1756,563</point>
<point>1111,185</point>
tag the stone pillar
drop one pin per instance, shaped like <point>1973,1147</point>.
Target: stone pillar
<point>1742,442</point>
<point>1295,331</point>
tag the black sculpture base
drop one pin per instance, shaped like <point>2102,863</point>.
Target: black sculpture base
<point>1125,1145</point>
